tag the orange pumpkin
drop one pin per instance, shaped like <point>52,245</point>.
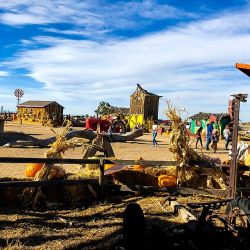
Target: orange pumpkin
<point>32,169</point>
<point>167,181</point>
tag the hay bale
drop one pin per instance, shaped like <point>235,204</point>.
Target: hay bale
<point>10,195</point>
<point>169,170</point>
<point>131,177</point>
<point>77,194</point>
<point>92,166</point>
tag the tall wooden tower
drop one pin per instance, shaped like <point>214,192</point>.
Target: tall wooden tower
<point>145,103</point>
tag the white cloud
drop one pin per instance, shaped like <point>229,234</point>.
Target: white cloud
<point>77,32</point>
<point>4,73</point>
<point>91,15</point>
<point>194,63</point>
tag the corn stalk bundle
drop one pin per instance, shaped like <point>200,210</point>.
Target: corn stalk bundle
<point>57,149</point>
<point>189,159</point>
<point>31,196</point>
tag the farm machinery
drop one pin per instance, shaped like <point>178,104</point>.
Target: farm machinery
<point>117,124</point>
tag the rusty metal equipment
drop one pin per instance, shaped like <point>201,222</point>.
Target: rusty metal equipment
<point>238,98</point>
<point>205,232</point>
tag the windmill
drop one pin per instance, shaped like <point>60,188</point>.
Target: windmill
<point>18,94</point>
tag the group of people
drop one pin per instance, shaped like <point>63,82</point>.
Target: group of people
<point>212,136</point>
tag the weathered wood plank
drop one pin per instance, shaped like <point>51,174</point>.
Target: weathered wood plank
<point>47,183</point>
<point>48,160</point>
<point>175,190</point>
<point>182,211</point>
<point>147,163</point>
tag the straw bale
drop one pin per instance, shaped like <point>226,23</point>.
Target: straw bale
<point>131,177</point>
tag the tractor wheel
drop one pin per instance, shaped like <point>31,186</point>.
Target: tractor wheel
<point>119,127</point>
<point>134,227</point>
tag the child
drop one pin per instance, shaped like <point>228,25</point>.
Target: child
<point>154,133</point>
<point>215,140</point>
<point>109,133</point>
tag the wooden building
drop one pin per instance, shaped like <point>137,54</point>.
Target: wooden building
<point>144,103</point>
<point>202,119</point>
<point>40,112</point>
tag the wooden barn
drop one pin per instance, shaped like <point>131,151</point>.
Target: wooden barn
<point>144,103</point>
<point>202,119</point>
<point>40,112</point>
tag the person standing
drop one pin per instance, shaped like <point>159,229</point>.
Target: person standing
<point>110,133</point>
<point>198,137</point>
<point>215,140</point>
<point>227,135</point>
<point>209,134</point>
<point>154,133</point>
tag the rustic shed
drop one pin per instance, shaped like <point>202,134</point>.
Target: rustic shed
<point>145,103</point>
<point>40,112</point>
<point>202,119</point>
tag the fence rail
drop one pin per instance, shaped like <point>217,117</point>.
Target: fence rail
<point>48,160</point>
<point>101,162</point>
<point>47,183</point>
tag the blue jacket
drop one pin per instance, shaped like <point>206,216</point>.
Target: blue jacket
<point>209,129</point>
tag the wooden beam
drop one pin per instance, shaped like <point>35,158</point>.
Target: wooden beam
<point>157,164</point>
<point>47,183</point>
<point>245,68</point>
<point>48,160</point>
<point>175,190</point>
<point>147,163</point>
<point>185,215</point>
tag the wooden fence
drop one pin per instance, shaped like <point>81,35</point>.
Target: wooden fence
<point>100,180</point>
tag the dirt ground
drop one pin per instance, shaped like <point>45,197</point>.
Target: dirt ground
<point>93,226</point>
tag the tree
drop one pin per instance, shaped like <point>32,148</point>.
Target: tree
<point>103,109</point>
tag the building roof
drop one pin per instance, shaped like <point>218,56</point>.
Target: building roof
<point>36,104</point>
<point>204,116</point>
<point>144,91</point>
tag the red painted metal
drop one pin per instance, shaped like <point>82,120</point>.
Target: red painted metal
<point>91,123</point>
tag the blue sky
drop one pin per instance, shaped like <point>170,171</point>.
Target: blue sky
<point>79,53</point>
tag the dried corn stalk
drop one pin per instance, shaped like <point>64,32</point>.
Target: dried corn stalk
<point>31,196</point>
<point>57,149</point>
<point>180,147</point>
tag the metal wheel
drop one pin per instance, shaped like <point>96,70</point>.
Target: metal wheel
<point>134,227</point>
<point>119,127</point>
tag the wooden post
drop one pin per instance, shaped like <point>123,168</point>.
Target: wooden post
<point>101,176</point>
<point>233,177</point>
